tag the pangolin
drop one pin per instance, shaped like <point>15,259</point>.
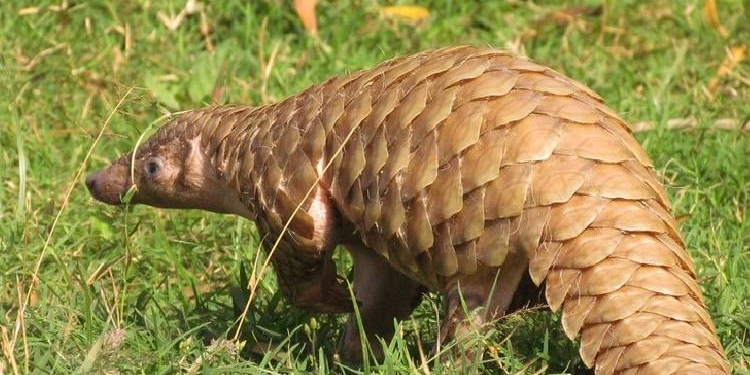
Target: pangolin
<point>459,170</point>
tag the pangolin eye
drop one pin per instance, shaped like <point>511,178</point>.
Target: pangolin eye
<point>153,167</point>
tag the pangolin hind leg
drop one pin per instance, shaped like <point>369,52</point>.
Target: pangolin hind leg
<point>383,294</point>
<point>475,301</point>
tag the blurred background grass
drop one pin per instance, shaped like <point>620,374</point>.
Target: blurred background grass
<point>150,291</point>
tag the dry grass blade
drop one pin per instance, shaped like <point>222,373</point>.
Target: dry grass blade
<point>37,59</point>
<point>8,353</point>
<point>37,267</point>
<point>8,343</point>
<point>689,123</point>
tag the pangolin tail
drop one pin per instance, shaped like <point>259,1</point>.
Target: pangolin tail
<point>627,287</point>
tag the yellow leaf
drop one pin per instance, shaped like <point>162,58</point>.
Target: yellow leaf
<point>412,13</point>
<point>712,16</point>
<point>306,11</point>
<point>735,55</point>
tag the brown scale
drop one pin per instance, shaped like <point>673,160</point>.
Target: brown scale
<point>458,167</point>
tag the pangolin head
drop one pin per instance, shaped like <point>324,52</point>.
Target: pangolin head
<point>170,171</point>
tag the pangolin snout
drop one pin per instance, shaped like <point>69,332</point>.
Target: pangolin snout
<point>94,184</point>
<point>105,186</point>
<point>91,183</point>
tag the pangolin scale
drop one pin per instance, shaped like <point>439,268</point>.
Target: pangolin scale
<point>455,170</point>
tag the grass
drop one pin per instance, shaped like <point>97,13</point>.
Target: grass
<point>147,291</point>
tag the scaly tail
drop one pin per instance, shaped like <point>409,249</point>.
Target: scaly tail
<point>615,263</point>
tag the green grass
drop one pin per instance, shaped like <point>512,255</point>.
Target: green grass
<point>149,291</point>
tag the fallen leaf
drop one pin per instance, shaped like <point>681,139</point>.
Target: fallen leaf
<point>735,55</point>
<point>412,13</point>
<point>712,16</point>
<point>306,12</point>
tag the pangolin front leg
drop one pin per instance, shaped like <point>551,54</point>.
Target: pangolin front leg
<point>307,275</point>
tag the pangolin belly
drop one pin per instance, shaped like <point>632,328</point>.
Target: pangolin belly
<point>450,162</point>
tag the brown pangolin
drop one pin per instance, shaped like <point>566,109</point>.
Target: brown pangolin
<point>455,170</point>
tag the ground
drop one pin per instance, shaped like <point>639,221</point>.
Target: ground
<point>86,288</point>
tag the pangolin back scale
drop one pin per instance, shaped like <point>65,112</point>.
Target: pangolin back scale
<point>447,161</point>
